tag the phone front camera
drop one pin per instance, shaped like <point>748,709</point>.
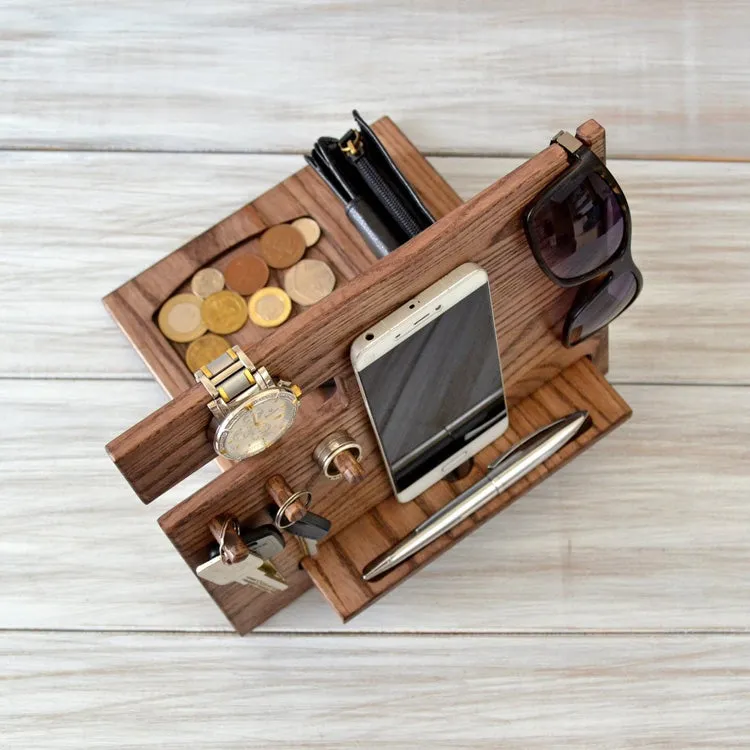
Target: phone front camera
<point>369,336</point>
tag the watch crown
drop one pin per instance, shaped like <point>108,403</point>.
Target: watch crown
<point>296,390</point>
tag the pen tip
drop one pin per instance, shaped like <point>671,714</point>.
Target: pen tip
<point>374,569</point>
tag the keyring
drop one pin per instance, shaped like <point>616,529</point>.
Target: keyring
<point>222,545</point>
<point>292,498</point>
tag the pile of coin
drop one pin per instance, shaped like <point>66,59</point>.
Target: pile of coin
<point>212,311</point>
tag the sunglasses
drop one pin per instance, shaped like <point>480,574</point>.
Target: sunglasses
<point>579,231</point>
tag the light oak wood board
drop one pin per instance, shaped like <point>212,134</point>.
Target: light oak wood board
<point>471,77</point>
<point>523,693</point>
<point>75,226</point>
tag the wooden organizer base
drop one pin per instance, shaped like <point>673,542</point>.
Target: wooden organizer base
<point>312,349</point>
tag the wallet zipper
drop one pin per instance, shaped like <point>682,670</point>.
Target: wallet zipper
<point>354,150</point>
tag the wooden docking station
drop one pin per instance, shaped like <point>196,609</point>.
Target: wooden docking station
<point>543,379</point>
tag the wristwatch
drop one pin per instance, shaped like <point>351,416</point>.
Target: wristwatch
<point>250,411</point>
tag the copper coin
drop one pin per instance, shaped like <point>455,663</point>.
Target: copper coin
<point>308,281</point>
<point>204,350</point>
<point>246,273</point>
<point>224,312</point>
<point>269,307</point>
<point>282,246</point>
<point>206,282</point>
<point>308,228</point>
<point>180,318</point>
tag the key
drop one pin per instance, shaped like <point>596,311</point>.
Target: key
<point>310,526</point>
<point>309,546</point>
<point>252,571</point>
<point>292,515</point>
<point>265,541</point>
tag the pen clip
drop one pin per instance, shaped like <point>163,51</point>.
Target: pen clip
<point>517,448</point>
<point>531,440</point>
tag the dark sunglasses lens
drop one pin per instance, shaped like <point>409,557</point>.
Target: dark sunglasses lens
<point>579,230</point>
<point>608,303</point>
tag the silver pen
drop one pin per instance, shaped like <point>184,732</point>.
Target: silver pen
<point>509,468</point>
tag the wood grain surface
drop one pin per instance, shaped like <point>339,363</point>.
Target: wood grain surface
<point>313,346</point>
<point>669,77</point>
<point>310,348</point>
<point>607,610</point>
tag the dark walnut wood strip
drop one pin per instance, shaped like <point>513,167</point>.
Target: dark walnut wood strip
<point>336,570</point>
<point>314,346</point>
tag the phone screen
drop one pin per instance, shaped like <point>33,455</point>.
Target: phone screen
<point>437,390</point>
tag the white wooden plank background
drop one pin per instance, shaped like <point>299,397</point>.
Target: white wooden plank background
<point>469,77</point>
<point>521,693</point>
<point>609,609</point>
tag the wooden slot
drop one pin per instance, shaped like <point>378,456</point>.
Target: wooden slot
<point>336,569</point>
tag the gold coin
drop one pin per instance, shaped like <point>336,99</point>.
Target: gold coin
<point>206,282</point>
<point>224,312</point>
<point>269,307</point>
<point>282,246</point>
<point>308,228</point>
<point>204,350</point>
<point>180,318</point>
<point>308,281</point>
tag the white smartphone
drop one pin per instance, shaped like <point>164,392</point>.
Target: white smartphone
<point>431,379</point>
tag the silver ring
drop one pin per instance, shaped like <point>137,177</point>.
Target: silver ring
<point>330,469</point>
<point>330,447</point>
<point>282,509</point>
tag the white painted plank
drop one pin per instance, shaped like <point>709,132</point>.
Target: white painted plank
<point>76,226</point>
<point>646,531</point>
<point>521,693</point>
<point>476,77</point>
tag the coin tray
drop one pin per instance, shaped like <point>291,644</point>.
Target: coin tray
<point>343,267</point>
<point>543,379</point>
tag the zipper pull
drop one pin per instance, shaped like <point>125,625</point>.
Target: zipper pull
<point>351,143</point>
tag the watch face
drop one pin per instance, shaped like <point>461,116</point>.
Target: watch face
<point>256,423</point>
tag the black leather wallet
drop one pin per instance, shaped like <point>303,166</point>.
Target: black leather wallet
<point>378,199</point>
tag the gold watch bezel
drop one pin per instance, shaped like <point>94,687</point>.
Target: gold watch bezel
<point>224,429</point>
